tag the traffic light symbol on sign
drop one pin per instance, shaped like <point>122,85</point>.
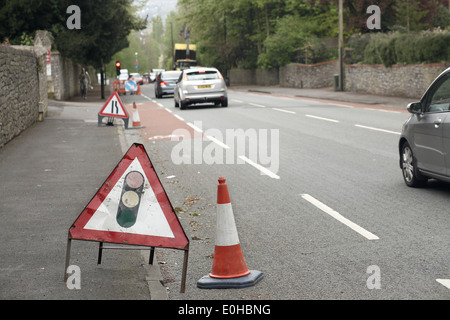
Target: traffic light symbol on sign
<point>118,64</point>
<point>130,199</point>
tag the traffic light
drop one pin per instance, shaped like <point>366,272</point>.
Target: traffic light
<point>118,64</point>
<point>130,199</point>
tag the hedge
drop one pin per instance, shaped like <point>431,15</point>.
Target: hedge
<point>400,48</point>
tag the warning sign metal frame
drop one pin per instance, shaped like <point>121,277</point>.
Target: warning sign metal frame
<point>130,240</point>
<point>102,115</point>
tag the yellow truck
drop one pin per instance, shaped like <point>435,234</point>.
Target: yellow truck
<point>184,58</point>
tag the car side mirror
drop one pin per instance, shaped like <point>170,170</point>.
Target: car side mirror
<point>415,108</point>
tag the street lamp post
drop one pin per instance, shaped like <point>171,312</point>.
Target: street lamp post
<point>340,45</point>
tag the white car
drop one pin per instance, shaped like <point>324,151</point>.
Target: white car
<point>136,77</point>
<point>200,85</point>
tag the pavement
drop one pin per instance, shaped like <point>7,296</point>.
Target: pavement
<point>51,171</point>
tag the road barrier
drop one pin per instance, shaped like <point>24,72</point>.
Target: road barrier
<point>119,86</point>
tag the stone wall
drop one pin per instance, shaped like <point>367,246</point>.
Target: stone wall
<point>408,81</point>
<point>20,90</point>
<point>64,80</point>
<point>399,80</point>
<point>319,75</point>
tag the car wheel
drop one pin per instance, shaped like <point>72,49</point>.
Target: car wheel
<point>183,105</point>
<point>176,104</point>
<point>225,102</point>
<point>411,175</point>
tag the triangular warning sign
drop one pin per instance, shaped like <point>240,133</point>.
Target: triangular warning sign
<point>113,107</point>
<point>131,207</point>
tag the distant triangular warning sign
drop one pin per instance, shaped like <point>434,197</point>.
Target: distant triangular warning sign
<point>131,207</point>
<point>113,107</point>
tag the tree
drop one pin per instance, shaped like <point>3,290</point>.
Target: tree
<point>22,18</point>
<point>408,15</point>
<point>105,25</point>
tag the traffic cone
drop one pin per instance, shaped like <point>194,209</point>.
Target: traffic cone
<point>229,269</point>
<point>139,89</point>
<point>136,119</point>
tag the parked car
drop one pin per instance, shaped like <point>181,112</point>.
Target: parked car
<point>424,144</point>
<point>136,77</point>
<point>165,82</point>
<point>200,85</point>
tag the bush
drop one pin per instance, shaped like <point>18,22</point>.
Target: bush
<point>401,48</point>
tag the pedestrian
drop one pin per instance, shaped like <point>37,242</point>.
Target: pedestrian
<point>84,80</point>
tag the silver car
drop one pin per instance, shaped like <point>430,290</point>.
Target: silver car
<point>165,82</point>
<point>200,85</point>
<point>424,144</point>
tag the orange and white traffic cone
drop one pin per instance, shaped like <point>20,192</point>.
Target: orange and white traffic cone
<point>229,269</point>
<point>136,119</point>
<point>139,89</point>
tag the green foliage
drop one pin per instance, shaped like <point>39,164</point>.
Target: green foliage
<point>255,33</point>
<point>301,30</point>
<point>400,48</point>
<point>105,25</point>
<point>409,15</point>
<point>24,17</point>
<point>271,33</point>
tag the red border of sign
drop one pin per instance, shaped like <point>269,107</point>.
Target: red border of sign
<point>180,240</point>
<point>101,113</point>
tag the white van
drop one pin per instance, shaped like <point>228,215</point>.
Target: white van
<point>123,74</point>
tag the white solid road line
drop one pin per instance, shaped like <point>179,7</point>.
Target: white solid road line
<point>260,168</point>
<point>320,118</point>
<point>282,110</point>
<point>376,129</point>
<point>337,216</point>
<point>444,282</point>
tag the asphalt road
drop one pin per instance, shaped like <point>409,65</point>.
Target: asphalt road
<point>316,190</point>
<point>331,219</point>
